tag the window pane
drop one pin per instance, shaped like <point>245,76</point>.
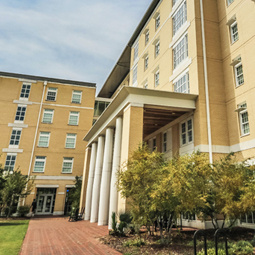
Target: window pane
<point>76,98</point>
<point>20,114</point>
<point>10,162</point>
<point>51,94</point>
<point>25,91</point>
<point>179,18</point>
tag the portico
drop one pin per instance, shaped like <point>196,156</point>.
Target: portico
<point>132,116</point>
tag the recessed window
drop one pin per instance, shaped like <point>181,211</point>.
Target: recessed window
<point>15,137</point>
<point>239,74</point>
<point>76,97</point>
<point>186,132</point>
<point>44,139</point>
<point>180,51</point>
<point>73,118</point>
<point>147,37</point>
<point>10,162</point>
<point>39,164</point>
<point>156,78</point>
<point>174,2</point>
<point>244,119</point>
<point>136,49</point>
<point>134,80</point>
<point>51,94</point>
<point>146,85</point>
<point>67,165</point>
<point>20,113</point>
<point>157,21</point>
<point>230,1</point>
<point>165,142</point>
<point>157,48</point>
<point>181,85</point>
<point>70,141</point>
<point>234,32</point>
<point>180,17</point>
<point>154,144</point>
<point>47,116</point>
<point>146,62</point>
<point>25,91</point>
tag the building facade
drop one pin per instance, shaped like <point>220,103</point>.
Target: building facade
<point>43,121</point>
<point>184,82</point>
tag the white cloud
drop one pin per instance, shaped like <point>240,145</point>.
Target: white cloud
<point>72,39</point>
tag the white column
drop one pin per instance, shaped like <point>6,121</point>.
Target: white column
<point>106,179</point>
<point>90,181</point>
<point>115,168</point>
<point>97,180</point>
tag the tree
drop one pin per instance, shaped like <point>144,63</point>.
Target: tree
<point>75,192</point>
<point>136,182</point>
<point>16,186</point>
<point>2,182</point>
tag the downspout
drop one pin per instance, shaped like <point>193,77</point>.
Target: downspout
<point>206,85</point>
<point>36,132</point>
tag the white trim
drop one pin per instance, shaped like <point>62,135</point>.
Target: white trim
<point>27,81</point>
<point>46,134</point>
<point>67,160</point>
<point>70,186</point>
<point>72,136</point>
<point>46,109</point>
<point>12,150</point>
<point>69,106</point>
<point>76,114</point>
<point>12,154</point>
<point>58,213</point>
<point>186,132</point>
<point>180,69</point>
<point>181,75</point>
<point>61,193</point>
<point>187,149</point>
<point>46,186</point>
<point>17,125</point>
<point>180,33</point>
<point>51,89</point>
<point>76,92</point>
<point>175,7</point>
<point>55,178</point>
<point>37,159</point>
<point>22,102</point>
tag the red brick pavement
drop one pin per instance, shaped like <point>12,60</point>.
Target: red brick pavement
<point>58,236</point>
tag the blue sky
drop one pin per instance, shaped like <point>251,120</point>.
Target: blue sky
<point>68,39</point>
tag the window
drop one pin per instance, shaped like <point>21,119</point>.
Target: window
<point>76,97</point>
<point>70,141</point>
<point>39,164</point>
<point>154,144</point>
<point>174,2</point>
<point>248,218</point>
<point>47,116</point>
<point>156,78</point>
<point>136,48</point>
<point>239,74</point>
<point>146,85</point>
<point>10,162</point>
<point>134,76</point>
<point>180,51</point>
<point>157,21</point>
<point>25,90</point>
<point>99,107</point>
<point>15,137</point>
<point>165,142</point>
<point>147,37</point>
<point>186,132</point>
<point>234,32</point>
<point>181,85</point>
<point>157,48</point>
<point>180,17</point>
<point>52,94</point>
<point>67,165</point>
<point>20,113</point>
<point>230,1</point>
<point>74,118</point>
<point>244,119</point>
<point>44,139</point>
<point>146,62</point>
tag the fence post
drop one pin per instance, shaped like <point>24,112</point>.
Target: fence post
<point>202,233</point>
<point>216,239</point>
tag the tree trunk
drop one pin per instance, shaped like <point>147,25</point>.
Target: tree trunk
<point>10,207</point>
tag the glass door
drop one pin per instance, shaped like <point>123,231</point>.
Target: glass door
<point>40,204</point>
<point>44,204</point>
<point>48,203</point>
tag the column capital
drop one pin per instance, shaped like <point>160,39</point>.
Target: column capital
<point>133,105</point>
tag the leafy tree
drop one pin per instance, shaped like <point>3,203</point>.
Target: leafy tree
<point>2,182</point>
<point>75,192</point>
<point>136,181</point>
<point>16,186</point>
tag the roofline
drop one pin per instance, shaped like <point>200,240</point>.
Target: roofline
<point>137,31</point>
<point>41,78</point>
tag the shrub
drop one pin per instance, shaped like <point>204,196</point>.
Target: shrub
<point>135,242</point>
<point>241,248</point>
<point>211,251</point>
<point>23,210</point>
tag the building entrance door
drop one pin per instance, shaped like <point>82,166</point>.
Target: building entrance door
<point>44,204</point>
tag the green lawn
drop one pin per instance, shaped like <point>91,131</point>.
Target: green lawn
<point>12,234</point>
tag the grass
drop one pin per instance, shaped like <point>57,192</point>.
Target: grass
<point>12,234</point>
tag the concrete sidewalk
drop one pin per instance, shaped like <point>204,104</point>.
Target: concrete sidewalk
<point>58,236</point>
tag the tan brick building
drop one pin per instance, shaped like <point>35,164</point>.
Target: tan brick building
<point>43,121</point>
<point>184,82</point>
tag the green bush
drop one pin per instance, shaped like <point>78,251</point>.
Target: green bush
<point>135,242</point>
<point>23,210</point>
<point>211,251</point>
<point>241,248</point>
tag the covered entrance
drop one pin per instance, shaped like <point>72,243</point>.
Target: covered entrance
<point>45,198</point>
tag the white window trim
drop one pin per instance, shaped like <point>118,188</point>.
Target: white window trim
<point>66,159</point>
<point>13,146</point>
<point>187,53</point>
<point>156,17</point>
<point>20,121</point>
<point>179,77</point>
<point>155,80</point>
<point>77,114</point>
<point>146,58</point>
<point>235,70</point>
<point>154,148</point>
<point>157,46</point>
<point>134,83</point>
<point>231,32</point>
<point>136,46</point>
<point>76,92</point>
<point>228,3</point>
<point>45,135</point>
<point>180,128</point>
<point>24,98</point>
<point>53,89</point>
<point>10,154</point>
<point>40,160</point>
<point>164,142</point>
<point>75,137</point>
<point>175,12</point>
<point>242,111</point>
<point>146,35</point>
<point>51,117</point>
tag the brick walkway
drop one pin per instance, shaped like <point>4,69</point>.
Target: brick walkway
<point>58,236</point>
